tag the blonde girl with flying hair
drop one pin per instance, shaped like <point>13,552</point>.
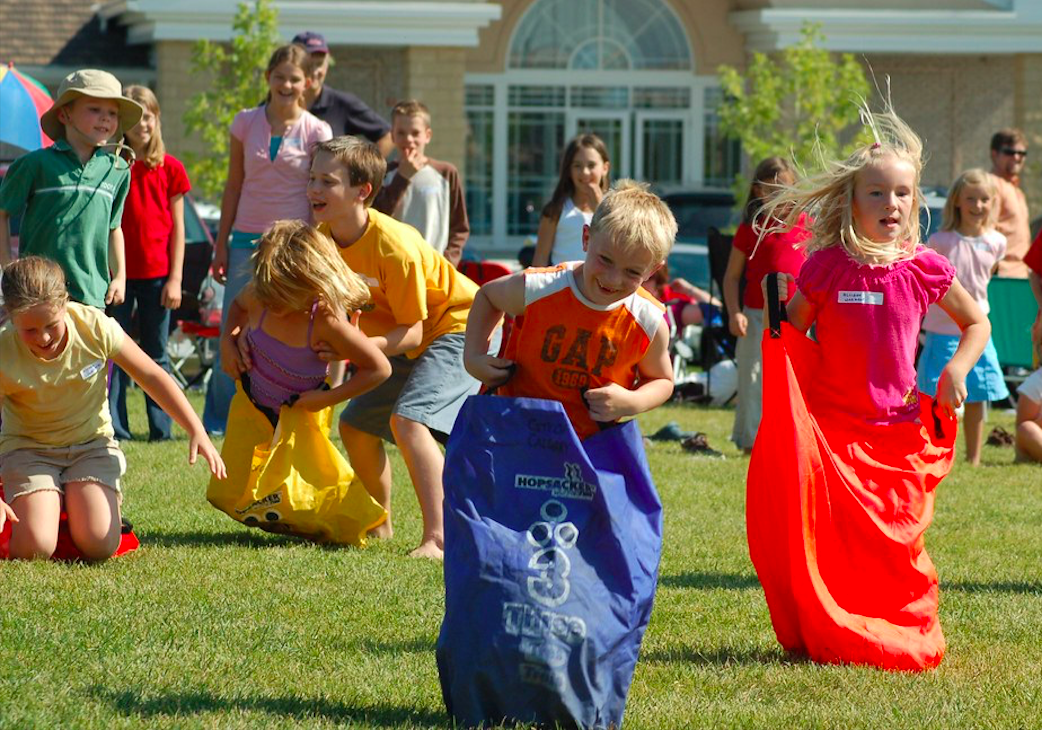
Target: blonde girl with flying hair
<point>302,298</point>
<point>851,451</point>
<point>969,240</point>
<point>302,294</point>
<point>154,244</point>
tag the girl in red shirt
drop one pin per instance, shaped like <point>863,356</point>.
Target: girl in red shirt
<point>776,252</point>
<point>154,231</point>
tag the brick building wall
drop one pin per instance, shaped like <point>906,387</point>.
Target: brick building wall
<point>175,85</point>
<point>1028,116</point>
<point>955,103</point>
<point>435,77</point>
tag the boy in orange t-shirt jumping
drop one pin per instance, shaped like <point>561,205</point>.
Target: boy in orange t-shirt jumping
<point>587,334</point>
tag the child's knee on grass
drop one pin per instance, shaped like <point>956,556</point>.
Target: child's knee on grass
<point>94,521</point>
<point>1028,440</point>
<point>35,535</point>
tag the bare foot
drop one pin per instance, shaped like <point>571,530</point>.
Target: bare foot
<point>383,531</point>
<point>428,549</point>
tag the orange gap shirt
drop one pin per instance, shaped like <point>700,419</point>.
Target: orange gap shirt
<point>564,344</point>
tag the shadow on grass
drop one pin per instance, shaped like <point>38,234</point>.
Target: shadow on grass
<point>720,656</point>
<point>130,703</point>
<point>709,581</point>
<point>418,645</point>
<point>238,538</point>
<point>996,587</point>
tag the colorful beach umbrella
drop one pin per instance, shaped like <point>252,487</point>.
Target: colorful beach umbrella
<point>22,100</point>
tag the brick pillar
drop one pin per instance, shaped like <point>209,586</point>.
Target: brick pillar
<point>435,77</point>
<point>1028,116</point>
<point>175,85</point>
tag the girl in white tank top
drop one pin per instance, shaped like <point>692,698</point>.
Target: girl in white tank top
<point>583,181</point>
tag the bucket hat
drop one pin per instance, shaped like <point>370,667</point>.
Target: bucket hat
<point>98,85</point>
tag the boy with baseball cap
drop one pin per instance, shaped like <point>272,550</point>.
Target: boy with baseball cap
<point>72,192</point>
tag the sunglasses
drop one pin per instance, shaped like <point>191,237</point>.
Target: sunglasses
<point>1009,151</point>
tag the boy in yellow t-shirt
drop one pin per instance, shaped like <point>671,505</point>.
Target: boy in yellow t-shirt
<point>417,317</point>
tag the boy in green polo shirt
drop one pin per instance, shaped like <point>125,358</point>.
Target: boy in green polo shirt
<point>72,192</point>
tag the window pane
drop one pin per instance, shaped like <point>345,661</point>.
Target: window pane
<point>600,97</point>
<point>723,156</point>
<point>535,96</point>
<point>664,151</point>
<point>480,95</point>
<point>478,187</point>
<point>662,98</point>
<point>534,145</point>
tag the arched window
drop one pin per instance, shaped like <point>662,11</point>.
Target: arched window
<point>621,69</point>
<point>595,35</point>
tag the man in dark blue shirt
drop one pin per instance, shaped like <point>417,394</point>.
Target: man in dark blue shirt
<point>343,111</point>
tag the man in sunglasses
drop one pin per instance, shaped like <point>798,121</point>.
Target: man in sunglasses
<point>1009,149</point>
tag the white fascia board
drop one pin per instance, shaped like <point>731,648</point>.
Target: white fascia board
<point>356,22</point>
<point>896,31</point>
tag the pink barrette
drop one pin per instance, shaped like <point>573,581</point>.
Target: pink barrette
<point>876,145</point>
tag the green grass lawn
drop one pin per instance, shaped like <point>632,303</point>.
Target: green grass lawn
<point>213,625</point>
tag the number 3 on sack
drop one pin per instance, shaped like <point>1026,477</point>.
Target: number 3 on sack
<point>553,536</point>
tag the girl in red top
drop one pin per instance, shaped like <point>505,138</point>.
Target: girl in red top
<point>154,230</point>
<point>776,252</point>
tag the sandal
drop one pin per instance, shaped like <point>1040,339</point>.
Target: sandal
<point>1000,437</point>
<point>699,444</point>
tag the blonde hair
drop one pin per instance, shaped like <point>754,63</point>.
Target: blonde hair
<point>362,159</point>
<point>31,281</point>
<point>155,150</point>
<point>412,108</point>
<point>828,197</point>
<point>951,218</point>
<point>635,218</point>
<point>294,265</point>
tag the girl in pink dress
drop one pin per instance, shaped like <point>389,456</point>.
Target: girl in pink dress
<point>842,477</point>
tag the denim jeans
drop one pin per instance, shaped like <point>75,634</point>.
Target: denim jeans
<point>221,388</point>
<point>154,328</point>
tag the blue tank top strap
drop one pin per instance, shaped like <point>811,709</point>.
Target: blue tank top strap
<point>260,322</point>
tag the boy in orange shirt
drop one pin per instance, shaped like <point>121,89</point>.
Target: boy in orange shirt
<point>587,334</point>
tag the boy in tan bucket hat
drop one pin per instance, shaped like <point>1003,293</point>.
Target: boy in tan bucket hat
<point>71,194</point>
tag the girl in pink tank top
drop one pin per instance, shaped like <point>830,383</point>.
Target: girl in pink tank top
<point>302,293</point>
<point>842,477</point>
<point>303,298</point>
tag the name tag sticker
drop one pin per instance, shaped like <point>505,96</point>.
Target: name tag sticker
<point>91,370</point>
<point>861,297</point>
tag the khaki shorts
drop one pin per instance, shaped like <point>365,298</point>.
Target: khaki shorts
<point>25,471</point>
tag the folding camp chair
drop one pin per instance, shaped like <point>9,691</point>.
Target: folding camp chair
<point>1013,311</point>
<point>482,272</point>
<point>717,341</point>
<point>197,321</point>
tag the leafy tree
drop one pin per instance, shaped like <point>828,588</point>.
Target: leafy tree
<point>795,103</point>
<point>233,76</point>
